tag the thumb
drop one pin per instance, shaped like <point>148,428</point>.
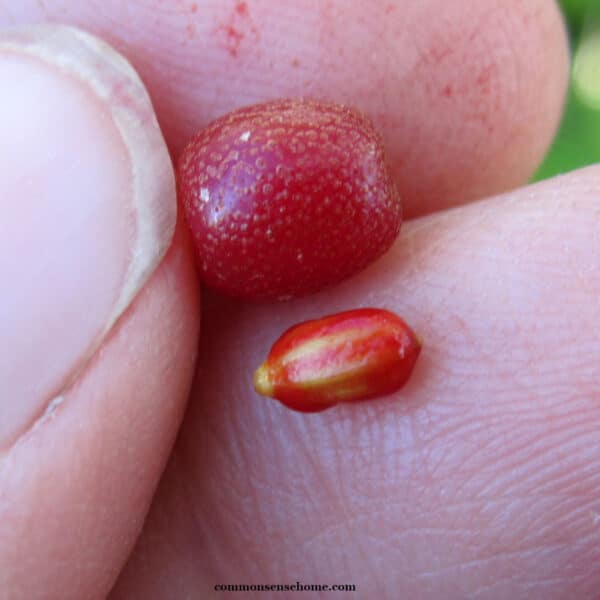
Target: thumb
<point>97,331</point>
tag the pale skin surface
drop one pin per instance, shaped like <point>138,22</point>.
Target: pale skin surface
<point>481,479</point>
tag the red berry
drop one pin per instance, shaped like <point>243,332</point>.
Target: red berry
<point>286,197</point>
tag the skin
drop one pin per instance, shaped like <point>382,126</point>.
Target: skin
<point>481,478</point>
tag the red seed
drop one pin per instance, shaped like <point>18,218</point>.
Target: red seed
<point>346,357</point>
<point>286,197</point>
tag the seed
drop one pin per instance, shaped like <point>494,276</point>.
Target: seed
<point>347,357</point>
<point>268,157</point>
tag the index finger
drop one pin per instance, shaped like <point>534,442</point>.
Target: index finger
<point>466,95</point>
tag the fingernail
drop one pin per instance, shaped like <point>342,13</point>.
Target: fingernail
<point>88,209</point>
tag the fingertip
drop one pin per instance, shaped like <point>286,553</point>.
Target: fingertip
<point>466,95</point>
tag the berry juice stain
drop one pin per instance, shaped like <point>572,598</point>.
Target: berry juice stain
<point>234,30</point>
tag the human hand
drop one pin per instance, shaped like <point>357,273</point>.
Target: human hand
<point>479,480</point>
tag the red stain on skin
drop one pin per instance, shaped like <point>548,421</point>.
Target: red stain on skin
<point>438,54</point>
<point>295,62</point>
<point>390,8</point>
<point>233,30</point>
<point>194,8</point>
<point>448,91</point>
<point>233,39</point>
<point>484,80</point>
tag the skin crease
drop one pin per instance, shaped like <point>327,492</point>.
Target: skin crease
<point>483,481</point>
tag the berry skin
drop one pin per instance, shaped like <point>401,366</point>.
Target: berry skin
<point>346,357</point>
<point>286,197</point>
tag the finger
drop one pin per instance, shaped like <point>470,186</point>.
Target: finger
<point>86,377</point>
<point>467,95</point>
<point>479,478</point>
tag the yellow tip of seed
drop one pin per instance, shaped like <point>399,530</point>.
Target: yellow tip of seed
<point>262,382</point>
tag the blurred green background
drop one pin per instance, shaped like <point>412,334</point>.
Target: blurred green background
<point>578,141</point>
